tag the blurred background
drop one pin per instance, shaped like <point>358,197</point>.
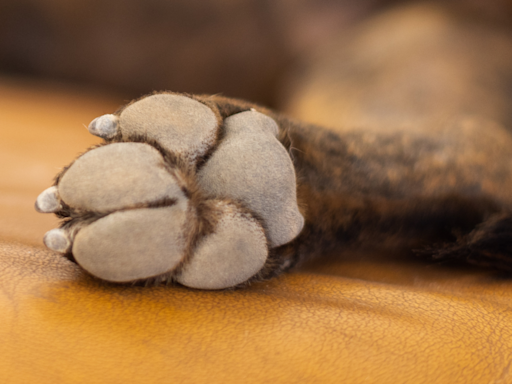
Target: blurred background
<point>240,48</point>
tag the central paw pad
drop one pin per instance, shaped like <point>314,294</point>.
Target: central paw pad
<point>143,206</point>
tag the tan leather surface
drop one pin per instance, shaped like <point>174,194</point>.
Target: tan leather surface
<point>346,319</point>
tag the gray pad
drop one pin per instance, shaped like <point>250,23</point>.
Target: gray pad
<point>117,176</point>
<point>235,252</point>
<point>131,245</point>
<point>252,166</point>
<point>180,124</point>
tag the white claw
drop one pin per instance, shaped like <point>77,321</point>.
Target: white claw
<point>48,201</point>
<point>57,240</point>
<point>104,126</point>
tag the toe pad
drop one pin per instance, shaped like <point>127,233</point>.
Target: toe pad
<point>235,252</point>
<point>132,245</point>
<point>117,176</point>
<point>180,124</point>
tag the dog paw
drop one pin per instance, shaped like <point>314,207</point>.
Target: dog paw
<point>176,193</point>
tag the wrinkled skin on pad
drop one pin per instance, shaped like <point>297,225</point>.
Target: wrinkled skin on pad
<point>252,166</point>
<point>117,176</point>
<point>136,212</point>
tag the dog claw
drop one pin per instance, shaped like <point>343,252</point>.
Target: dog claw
<point>57,240</point>
<point>105,126</point>
<point>48,201</point>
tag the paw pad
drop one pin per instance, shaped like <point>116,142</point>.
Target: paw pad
<point>116,176</point>
<point>252,166</point>
<point>132,245</point>
<point>235,252</point>
<point>179,124</point>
